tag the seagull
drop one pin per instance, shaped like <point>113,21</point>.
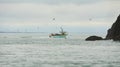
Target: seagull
<point>90,19</point>
<point>53,19</point>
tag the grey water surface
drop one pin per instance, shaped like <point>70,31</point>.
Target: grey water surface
<point>38,50</point>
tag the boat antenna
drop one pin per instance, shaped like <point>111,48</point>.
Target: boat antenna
<point>61,29</point>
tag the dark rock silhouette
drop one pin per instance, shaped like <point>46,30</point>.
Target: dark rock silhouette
<point>93,38</point>
<point>114,31</point>
<point>117,38</point>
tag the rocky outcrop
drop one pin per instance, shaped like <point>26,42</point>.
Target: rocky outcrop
<point>93,38</point>
<point>114,31</point>
<point>117,38</point>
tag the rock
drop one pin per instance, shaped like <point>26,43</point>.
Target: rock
<point>93,38</point>
<point>114,31</point>
<point>117,38</point>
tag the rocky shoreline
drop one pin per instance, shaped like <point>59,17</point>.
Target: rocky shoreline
<point>112,34</point>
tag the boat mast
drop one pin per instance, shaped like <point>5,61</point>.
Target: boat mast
<point>61,29</point>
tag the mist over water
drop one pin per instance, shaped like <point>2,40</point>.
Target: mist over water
<point>38,50</point>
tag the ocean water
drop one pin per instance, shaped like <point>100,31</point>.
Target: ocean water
<point>38,50</point>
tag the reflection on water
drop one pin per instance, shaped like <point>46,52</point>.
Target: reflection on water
<point>37,50</point>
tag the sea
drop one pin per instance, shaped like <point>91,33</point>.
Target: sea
<point>38,50</point>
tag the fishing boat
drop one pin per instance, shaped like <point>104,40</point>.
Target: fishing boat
<point>62,34</point>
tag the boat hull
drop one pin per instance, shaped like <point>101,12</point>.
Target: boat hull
<point>58,36</point>
<point>63,36</point>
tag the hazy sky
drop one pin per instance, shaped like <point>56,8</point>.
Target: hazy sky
<point>72,15</point>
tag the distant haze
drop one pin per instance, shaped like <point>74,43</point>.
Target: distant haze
<point>50,15</point>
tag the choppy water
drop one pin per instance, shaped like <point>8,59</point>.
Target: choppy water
<point>37,50</point>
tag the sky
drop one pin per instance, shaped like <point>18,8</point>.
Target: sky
<point>85,16</point>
